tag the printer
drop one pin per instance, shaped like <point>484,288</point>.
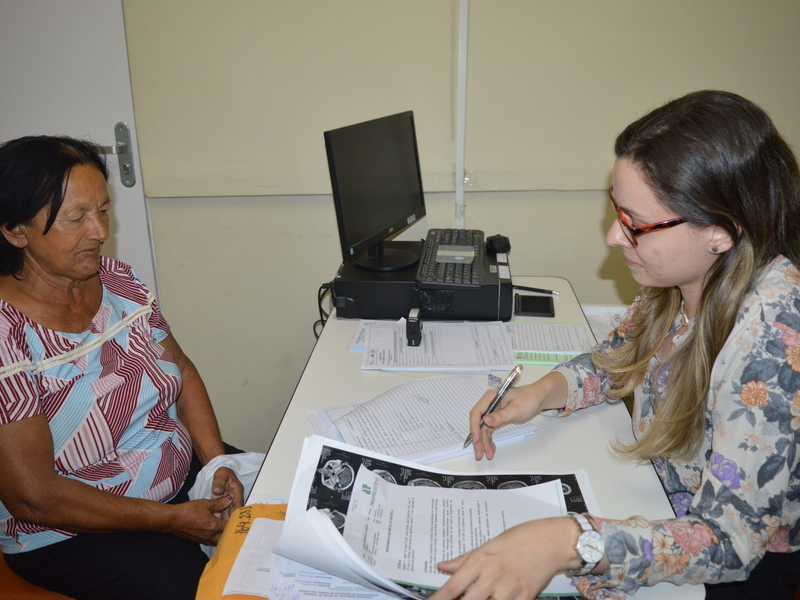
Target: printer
<point>364,294</point>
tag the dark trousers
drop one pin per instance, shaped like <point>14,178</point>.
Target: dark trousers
<point>776,577</point>
<point>130,565</point>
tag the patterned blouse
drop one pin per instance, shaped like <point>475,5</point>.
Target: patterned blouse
<point>741,496</point>
<point>109,396</point>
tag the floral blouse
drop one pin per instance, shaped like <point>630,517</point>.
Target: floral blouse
<point>741,496</point>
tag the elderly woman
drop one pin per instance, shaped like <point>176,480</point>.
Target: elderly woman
<point>100,409</point>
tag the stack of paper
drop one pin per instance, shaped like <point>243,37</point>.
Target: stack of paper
<point>371,519</point>
<point>548,343</point>
<point>469,347</point>
<point>257,571</point>
<point>445,348</point>
<point>425,420</point>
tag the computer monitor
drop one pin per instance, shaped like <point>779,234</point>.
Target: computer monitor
<point>377,188</point>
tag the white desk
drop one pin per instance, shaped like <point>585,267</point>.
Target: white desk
<point>333,376</point>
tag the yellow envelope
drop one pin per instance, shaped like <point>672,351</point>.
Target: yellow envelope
<point>212,583</point>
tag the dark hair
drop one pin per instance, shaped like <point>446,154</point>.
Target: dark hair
<point>715,159</point>
<point>34,171</point>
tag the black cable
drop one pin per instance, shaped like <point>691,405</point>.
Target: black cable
<point>324,289</point>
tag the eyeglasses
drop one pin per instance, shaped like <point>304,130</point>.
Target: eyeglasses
<point>632,232</point>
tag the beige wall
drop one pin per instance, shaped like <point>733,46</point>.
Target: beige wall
<point>551,83</point>
<point>235,94</point>
<point>239,279</point>
<point>232,96</point>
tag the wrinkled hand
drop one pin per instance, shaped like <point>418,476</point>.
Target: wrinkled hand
<point>198,521</point>
<point>516,565</point>
<point>226,485</point>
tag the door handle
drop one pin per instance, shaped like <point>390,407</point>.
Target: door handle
<point>122,135</point>
<point>118,149</point>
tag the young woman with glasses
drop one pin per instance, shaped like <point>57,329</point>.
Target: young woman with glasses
<point>707,196</point>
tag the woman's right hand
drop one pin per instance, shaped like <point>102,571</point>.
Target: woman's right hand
<point>197,521</point>
<point>520,404</point>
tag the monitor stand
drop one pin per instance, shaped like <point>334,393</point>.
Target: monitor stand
<point>380,258</point>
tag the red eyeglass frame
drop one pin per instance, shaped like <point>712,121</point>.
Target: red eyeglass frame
<point>632,232</point>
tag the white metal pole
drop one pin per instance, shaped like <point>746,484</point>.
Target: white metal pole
<point>461,108</point>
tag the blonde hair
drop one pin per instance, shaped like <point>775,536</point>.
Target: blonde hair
<point>715,159</point>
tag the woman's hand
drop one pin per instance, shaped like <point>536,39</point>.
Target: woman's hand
<point>197,520</point>
<point>227,485</point>
<point>516,565</point>
<point>518,405</point>
<point>515,407</point>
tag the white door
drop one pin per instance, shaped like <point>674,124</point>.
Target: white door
<point>64,70</point>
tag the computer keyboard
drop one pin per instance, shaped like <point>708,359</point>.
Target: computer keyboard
<point>452,258</point>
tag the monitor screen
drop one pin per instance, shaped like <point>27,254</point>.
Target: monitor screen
<point>377,188</point>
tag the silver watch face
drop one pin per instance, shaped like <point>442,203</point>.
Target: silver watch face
<point>591,546</point>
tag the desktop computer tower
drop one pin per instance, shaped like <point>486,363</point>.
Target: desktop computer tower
<point>364,294</point>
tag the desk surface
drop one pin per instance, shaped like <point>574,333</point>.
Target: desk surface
<point>333,376</point>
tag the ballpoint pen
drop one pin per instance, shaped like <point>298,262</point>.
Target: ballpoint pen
<point>538,290</point>
<point>500,393</point>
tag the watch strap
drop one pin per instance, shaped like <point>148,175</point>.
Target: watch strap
<point>584,525</point>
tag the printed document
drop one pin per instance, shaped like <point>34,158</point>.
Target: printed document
<point>445,351</point>
<point>404,531</point>
<point>347,504</point>
<point>445,348</point>
<point>550,337</point>
<point>425,420</point>
<point>259,572</point>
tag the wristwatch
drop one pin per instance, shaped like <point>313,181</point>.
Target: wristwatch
<point>590,546</point>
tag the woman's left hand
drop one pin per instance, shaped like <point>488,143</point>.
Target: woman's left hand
<point>516,565</point>
<point>226,484</point>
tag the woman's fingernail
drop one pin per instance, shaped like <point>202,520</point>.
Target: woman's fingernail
<point>229,497</point>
